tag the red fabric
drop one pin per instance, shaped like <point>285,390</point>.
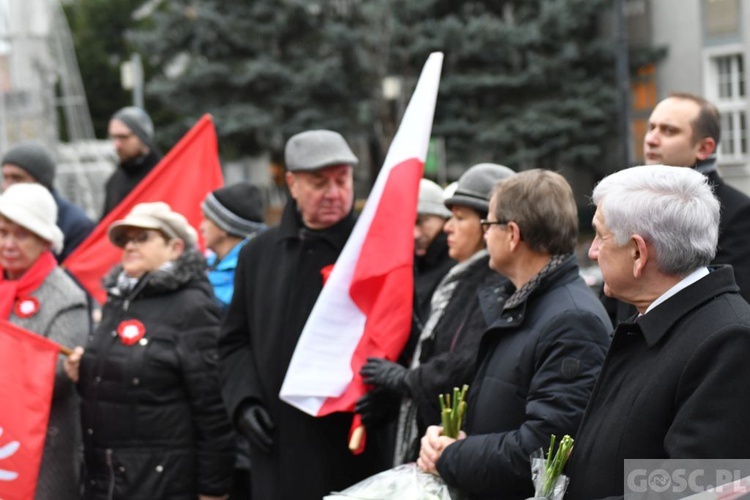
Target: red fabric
<point>28,363</point>
<point>383,281</point>
<point>182,179</point>
<point>372,278</point>
<point>12,290</point>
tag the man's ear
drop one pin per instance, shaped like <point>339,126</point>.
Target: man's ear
<point>706,147</point>
<point>640,253</point>
<point>514,235</point>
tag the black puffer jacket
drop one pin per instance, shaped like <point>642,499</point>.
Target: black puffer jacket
<point>154,425</point>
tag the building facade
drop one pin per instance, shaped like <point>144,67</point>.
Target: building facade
<point>707,50</point>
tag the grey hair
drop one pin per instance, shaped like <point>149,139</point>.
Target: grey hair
<point>672,208</point>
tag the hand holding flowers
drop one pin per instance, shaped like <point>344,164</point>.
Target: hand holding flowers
<point>437,438</point>
<point>546,473</point>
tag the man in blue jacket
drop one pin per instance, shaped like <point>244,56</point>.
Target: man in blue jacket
<point>232,215</point>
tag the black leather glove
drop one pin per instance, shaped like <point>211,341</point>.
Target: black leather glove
<point>377,407</point>
<point>254,422</point>
<point>385,374</point>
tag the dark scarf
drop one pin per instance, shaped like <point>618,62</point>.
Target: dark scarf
<point>520,295</point>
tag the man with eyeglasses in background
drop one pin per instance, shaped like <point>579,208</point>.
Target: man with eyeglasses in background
<point>538,361</point>
<point>132,134</point>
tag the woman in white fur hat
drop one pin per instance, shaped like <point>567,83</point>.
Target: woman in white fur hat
<point>37,295</point>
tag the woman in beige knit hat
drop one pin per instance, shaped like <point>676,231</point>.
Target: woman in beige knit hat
<point>154,422</point>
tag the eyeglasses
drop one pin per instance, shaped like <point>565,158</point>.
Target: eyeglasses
<point>137,239</point>
<point>487,223</point>
<point>120,137</point>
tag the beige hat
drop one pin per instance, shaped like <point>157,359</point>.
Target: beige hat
<point>31,206</point>
<point>157,215</point>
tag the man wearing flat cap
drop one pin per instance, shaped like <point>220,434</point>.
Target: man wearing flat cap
<point>132,134</point>
<point>279,276</point>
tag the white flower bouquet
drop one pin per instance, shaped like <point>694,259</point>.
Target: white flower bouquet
<point>408,482</point>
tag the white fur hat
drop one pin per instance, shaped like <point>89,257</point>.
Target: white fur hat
<point>32,206</point>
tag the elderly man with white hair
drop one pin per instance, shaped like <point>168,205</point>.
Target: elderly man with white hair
<point>674,384</point>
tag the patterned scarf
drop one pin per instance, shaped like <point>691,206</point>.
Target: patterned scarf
<point>520,295</point>
<point>12,290</point>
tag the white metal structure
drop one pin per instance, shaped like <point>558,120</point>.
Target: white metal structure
<point>40,84</point>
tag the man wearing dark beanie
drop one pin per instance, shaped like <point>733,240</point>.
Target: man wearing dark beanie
<point>132,134</point>
<point>32,162</point>
<point>232,215</point>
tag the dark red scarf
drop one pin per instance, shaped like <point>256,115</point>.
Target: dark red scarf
<point>12,290</point>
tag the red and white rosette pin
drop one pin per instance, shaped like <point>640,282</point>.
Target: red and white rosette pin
<point>131,331</point>
<point>26,307</point>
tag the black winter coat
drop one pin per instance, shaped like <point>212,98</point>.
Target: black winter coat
<point>73,223</point>
<point>154,426</point>
<point>428,271</point>
<point>673,386</point>
<point>126,176</point>
<point>277,283</point>
<point>734,232</point>
<point>537,365</point>
<point>448,360</point>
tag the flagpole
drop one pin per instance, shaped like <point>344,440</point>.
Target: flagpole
<point>355,443</point>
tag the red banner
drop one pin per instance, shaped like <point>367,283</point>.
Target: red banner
<point>182,179</point>
<point>28,377</point>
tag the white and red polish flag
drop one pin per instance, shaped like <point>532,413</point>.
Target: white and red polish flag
<point>365,307</point>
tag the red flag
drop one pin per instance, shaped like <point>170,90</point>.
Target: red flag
<point>28,377</point>
<point>182,179</point>
<point>366,305</point>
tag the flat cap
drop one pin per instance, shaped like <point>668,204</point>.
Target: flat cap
<point>316,149</point>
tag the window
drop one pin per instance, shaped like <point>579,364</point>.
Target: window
<point>721,17</point>
<point>730,76</point>
<point>726,87</point>
<point>733,133</point>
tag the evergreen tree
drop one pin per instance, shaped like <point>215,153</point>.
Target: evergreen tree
<point>526,83</point>
<point>264,69</point>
